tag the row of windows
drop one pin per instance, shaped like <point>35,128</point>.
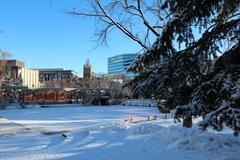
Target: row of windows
<point>112,65</point>
<point>50,77</point>
<point>129,74</point>
<point>115,64</point>
<point>121,58</point>
<point>116,71</point>
<point>120,64</point>
<point>125,60</point>
<point>116,67</point>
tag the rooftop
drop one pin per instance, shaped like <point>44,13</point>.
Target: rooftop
<point>51,69</point>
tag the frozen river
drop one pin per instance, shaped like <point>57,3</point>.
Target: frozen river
<point>106,133</point>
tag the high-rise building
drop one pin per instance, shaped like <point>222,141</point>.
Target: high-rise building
<point>119,64</point>
<point>87,70</point>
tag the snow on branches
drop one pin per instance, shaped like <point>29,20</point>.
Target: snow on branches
<point>217,99</point>
<point>187,77</point>
<point>184,17</point>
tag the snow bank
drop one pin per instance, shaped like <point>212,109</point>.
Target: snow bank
<point>195,139</point>
<point>177,137</point>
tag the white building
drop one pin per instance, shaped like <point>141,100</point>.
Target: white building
<point>29,78</point>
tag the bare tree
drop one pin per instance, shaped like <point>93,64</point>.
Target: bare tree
<point>5,55</point>
<point>140,20</point>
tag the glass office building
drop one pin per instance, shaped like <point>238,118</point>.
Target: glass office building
<point>120,63</point>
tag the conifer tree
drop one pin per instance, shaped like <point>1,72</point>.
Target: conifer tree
<point>180,64</point>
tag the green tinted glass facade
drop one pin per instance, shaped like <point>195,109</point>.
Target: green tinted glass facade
<point>120,63</point>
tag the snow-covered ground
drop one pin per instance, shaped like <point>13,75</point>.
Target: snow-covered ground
<point>107,133</point>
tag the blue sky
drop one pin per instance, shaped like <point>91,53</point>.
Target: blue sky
<point>38,33</point>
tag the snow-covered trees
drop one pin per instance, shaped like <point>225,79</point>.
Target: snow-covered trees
<point>217,98</point>
<point>186,76</point>
<point>179,64</point>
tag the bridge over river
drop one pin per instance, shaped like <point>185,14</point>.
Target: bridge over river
<point>96,96</point>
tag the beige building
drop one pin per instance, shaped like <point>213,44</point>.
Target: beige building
<point>11,67</point>
<point>15,69</point>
